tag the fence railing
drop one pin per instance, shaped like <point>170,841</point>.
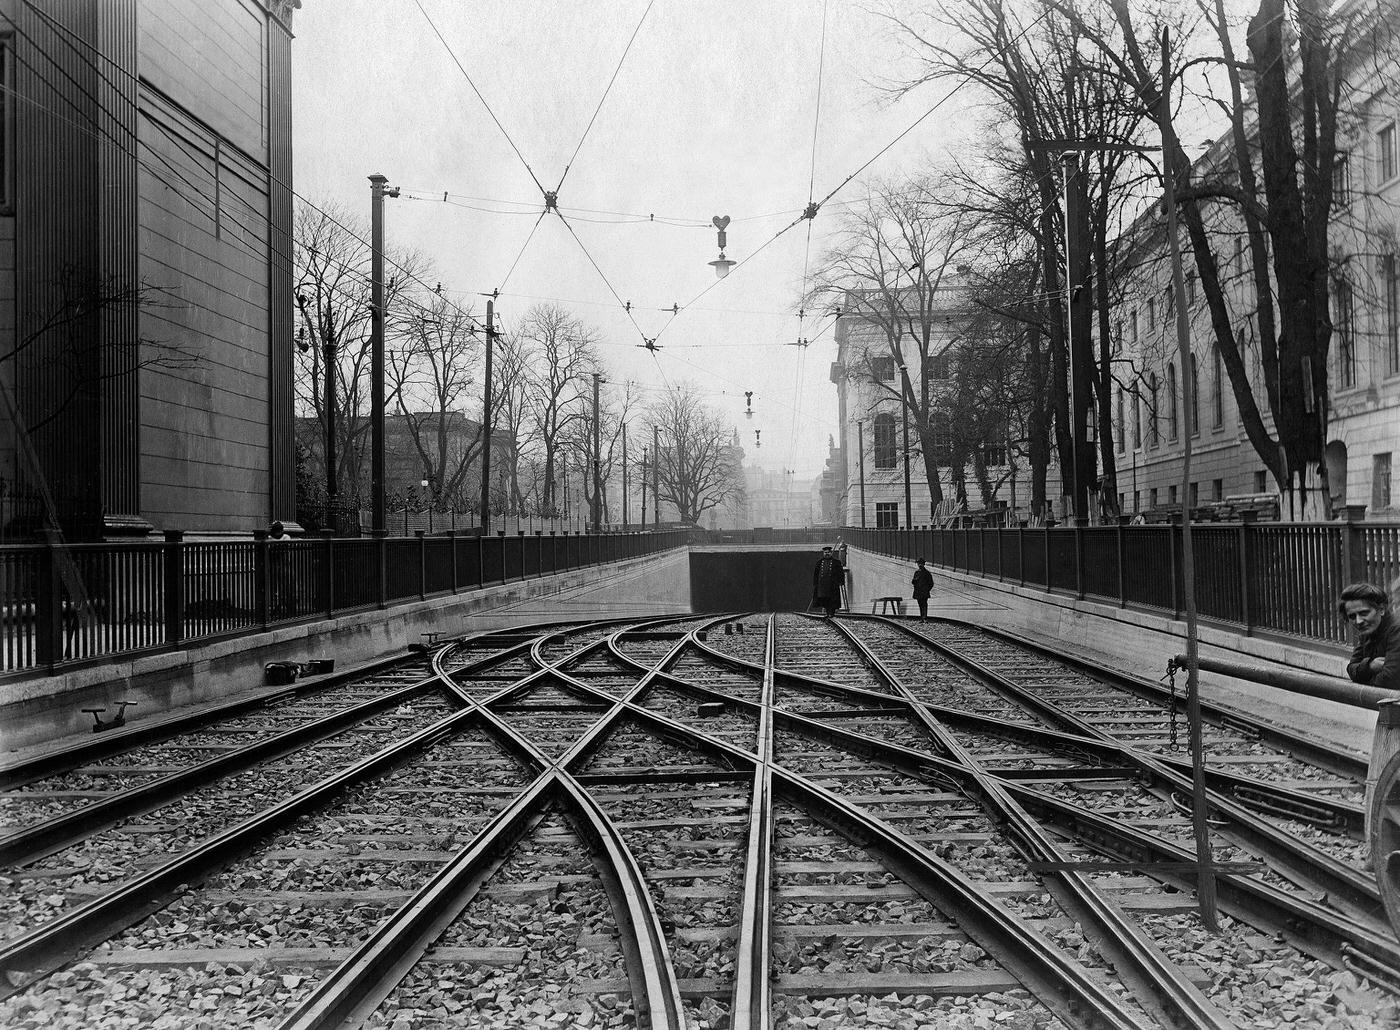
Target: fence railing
<point>1265,578</point>
<point>71,603</point>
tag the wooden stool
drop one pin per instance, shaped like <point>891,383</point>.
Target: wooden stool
<point>886,603</point>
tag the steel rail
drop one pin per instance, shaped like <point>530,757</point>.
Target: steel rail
<point>751,1001</point>
<point>1324,932</point>
<point>1136,956</point>
<point>1059,984</point>
<point>1350,889</point>
<point>18,773</point>
<point>52,835</point>
<point>355,988</point>
<point>1324,754</point>
<point>32,954</point>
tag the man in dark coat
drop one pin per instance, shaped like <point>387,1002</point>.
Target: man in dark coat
<point>1376,658</point>
<point>923,586</point>
<point>827,579</point>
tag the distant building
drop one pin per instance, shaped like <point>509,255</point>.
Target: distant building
<point>145,264</point>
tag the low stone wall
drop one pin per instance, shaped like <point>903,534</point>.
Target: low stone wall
<point>45,708</point>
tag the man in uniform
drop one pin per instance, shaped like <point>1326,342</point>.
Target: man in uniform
<point>827,578</point>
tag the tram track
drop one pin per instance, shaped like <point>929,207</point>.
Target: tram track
<point>674,823</point>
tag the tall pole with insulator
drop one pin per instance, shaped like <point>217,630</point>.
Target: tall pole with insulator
<point>376,336</point>
<point>486,423</point>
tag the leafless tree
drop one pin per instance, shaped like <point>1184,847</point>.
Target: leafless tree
<point>699,465</point>
<point>331,263</point>
<point>559,353</point>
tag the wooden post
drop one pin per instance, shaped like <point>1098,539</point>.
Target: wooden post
<point>174,586</point>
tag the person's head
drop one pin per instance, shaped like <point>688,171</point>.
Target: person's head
<point>1363,605</point>
<point>920,561</point>
<point>276,530</point>
<point>827,549</point>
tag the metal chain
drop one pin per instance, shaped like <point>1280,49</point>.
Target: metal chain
<point>1171,684</point>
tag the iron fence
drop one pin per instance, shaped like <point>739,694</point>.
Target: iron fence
<point>63,604</point>
<point>1263,578</point>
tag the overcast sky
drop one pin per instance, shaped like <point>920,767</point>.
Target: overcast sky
<point>712,113</point>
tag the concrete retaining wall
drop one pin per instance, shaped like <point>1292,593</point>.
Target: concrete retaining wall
<point>45,708</point>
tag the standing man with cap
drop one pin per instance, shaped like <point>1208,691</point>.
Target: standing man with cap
<point>827,578</point>
<point>923,586</point>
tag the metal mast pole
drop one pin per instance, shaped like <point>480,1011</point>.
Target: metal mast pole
<point>486,424</point>
<point>376,335</point>
<point>597,508</point>
<point>329,358</point>
<point>656,476</point>
<point>644,486</point>
<point>624,477</point>
<point>1205,889</point>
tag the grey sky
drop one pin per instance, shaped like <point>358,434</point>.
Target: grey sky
<point>712,113</point>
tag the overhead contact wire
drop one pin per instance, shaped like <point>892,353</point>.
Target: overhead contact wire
<point>465,75</point>
<point>625,51</point>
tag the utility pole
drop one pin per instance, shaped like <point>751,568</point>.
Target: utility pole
<point>597,512</point>
<point>329,365</point>
<point>486,424</point>
<point>1205,862</point>
<point>860,451</point>
<point>904,417</point>
<point>644,486</point>
<point>624,477</point>
<point>656,476</point>
<point>376,336</point>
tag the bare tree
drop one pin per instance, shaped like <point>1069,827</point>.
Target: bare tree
<point>331,262</point>
<point>891,266</point>
<point>699,465</point>
<point>431,374</point>
<point>559,352</point>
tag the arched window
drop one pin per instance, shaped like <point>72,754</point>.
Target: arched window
<point>1170,401</point>
<point>1154,433</point>
<point>884,441</point>
<point>1119,429</point>
<point>1137,417</point>
<point>1193,403</point>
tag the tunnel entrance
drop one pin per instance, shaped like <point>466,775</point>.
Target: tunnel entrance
<point>730,578</point>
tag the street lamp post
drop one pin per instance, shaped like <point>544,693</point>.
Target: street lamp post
<point>376,332</point>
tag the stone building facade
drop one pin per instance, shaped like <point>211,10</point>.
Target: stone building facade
<point>145,265</point>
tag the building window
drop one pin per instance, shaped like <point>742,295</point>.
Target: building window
<point>994,454</point>
<point>1151,312</point>
<point>882,369</point>
<point>1341,181</point>
<point>1171,494</point>
<point>1217,489</point>
<point>1152,498</point>
<point>1137,419</point>
<point>1154,433</point>
<point>1133,328</point>
<point>1390,284</point>
<point>1380,481</point>
<point>884,445</point>
<point>1346,338</point>
<point>1167,301</point>
<point>1217,388</point>
<point>1193,405</point>
<point>1170,400</point>
<point>1259,482</point>
<point>940,431</point>
<point>938,366</point>
<point>1137,500</point>
<point>1191,286</point>
<point>1239,254</point>
<point>1118,426</point>
<point>1115,343</point>
<point>1195,494</point>
<point>1385,147</point>
<point>886,514</point>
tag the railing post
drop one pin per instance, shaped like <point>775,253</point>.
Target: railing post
<point>452,536</point>
<point>328,571</point>
<point>1049,569</point>
<point>1245,538</point>
<point>48,607</point>
<point>1021,553</point>
<point>381,564</point>
<point>1353,545</point>
<point>422,564</point>
<point>262,582</point>
<point>1173,534</point>
<point>481,559</point>
<point>174,587</point>
<point>1122,577</point>
<point>1078,560</point>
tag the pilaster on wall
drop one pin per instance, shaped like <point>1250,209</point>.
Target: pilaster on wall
<point>281,427</point>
